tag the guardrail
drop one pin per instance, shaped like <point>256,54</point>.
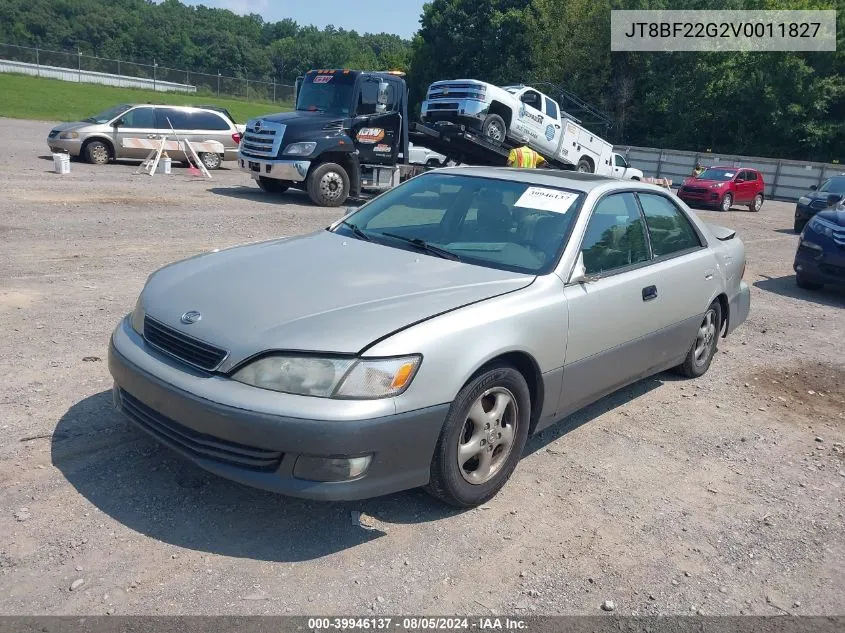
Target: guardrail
<point>784,179</point>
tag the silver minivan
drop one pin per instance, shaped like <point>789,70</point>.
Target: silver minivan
<point>99,139</point>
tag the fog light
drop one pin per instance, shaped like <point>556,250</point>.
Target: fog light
<point>331,468</point>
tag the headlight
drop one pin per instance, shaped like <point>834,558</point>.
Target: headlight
<point>822,227</point>
<point>718,185</point>
<point>300,149</point>
<point>68,135</point>
<point>326,377</point>
<point>803,201</point>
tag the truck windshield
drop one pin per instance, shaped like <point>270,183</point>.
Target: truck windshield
<point>507,225</point>
<point>327,93</point>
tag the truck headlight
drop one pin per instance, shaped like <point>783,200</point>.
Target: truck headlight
<point>326,377</point>
<point>68,135</point>
<point>300,149</point>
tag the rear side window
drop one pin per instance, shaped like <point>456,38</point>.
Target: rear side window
<point>204,120</point>
<point>670,230</point>
<point>177,118</point>
<point>139,118</point>
<point>551,108</point>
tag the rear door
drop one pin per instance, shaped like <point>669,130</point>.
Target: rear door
<point>138,123</point>
<point>552,132</point>
<point>207,125</point>
<point>745,186</point>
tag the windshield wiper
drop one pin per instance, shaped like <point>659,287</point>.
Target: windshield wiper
<point>356,231</point>
<point>424,246</point>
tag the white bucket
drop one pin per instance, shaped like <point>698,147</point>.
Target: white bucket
<point>164,165</point>
<point>61,163</point>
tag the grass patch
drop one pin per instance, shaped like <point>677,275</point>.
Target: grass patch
<point>25,97</point>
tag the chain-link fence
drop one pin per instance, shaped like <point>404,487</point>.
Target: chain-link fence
<point>77,66</point>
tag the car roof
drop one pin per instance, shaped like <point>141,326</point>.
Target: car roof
<point>551,177</point>
<point>731,167</point>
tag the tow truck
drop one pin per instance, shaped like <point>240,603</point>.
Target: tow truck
<point>348,137</point>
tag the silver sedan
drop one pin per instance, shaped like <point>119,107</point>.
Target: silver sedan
<point>422,338</point>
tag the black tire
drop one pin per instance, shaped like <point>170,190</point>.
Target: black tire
<point>727,202</point>
<point>695,365</point>
<point>271,185</point>
<point>584,166</point>
<point>803,282</point>
<point>328,185</point>
<point>494,129</point>
<point>755,205</point>
<point>211,160</point>
<point>799,225</point>
<point>447,482</point>
<point>97,152</point>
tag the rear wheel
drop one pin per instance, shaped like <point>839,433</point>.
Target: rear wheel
<point>97,152</point>
<point>494,129</point>
<point>803,282</point>
<point>756,203</point>
<point>271,185</point>
<point>482,439</point>
<point>211,160</point>
<point>584,166</point>
<point>704,346</point>
<point>727,202</point>
<point>328,185</point>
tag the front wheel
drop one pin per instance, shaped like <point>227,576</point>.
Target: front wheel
<point>756,203</point>
<point>704,346</point>
<point>96,153</point>
<point>482,438</point>
<point>727,202</point>
<point>271,185</point>
<point>328,185</point>
<point>494,129</point>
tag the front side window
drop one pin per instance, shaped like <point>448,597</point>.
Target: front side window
<point>669,229</point>
<point>139,118</point>
<point>615,236</point>
<point>487,222</point>
<point>532,99</point>
<point>619,161</point>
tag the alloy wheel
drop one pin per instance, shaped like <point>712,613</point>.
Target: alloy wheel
<point>488,435</point>
<point>706,337</point>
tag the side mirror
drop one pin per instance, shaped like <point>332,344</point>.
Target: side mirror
<point>118,122</point>
<point>813,187</point>
<point>383,96</point>
<point>579,273</point>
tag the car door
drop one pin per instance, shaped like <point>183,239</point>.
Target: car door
<point>687,271</point>
<point>552,132</point>
<point>210,126</point>
<point>614,315</point>
<point>620,166</point>
<point>139,123</point>
<point>531,121</point>
<point>174,123</point>
<point>744,187</point>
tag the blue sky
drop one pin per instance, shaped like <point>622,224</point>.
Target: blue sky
<point>401,17</point>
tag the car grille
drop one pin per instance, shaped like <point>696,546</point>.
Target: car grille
<point>198,445</point>
<point>834,271</point>
<point>839,236</point>
<point>695,189</point>
<point>262,139</point>
<point>456,91</point>
<point>186,348</point>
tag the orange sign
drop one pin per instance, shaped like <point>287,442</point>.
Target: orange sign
<point>370,135</point>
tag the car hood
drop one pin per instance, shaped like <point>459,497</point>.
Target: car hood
<point>836,216</point>
<point>318,292</point>
<point>74,125</point>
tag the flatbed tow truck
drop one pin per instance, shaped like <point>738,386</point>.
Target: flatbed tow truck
<point>348,138</point>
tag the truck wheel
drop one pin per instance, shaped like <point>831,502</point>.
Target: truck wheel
<point>494,129</point>
<point>271,185</point>
<point>328,185</point>
<point>584,166</point>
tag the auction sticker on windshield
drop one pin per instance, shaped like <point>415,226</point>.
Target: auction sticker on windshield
<point>544,199</point>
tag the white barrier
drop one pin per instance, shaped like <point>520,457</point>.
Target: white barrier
<point>211,147</point>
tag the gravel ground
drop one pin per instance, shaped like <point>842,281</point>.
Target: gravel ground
<point>722,495</point>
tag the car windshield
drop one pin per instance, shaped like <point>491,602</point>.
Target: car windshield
<point>330,93</point>
<point>108,115</point>
<point>717,174</point>
<point>516,226</point>
<point>833,185</point>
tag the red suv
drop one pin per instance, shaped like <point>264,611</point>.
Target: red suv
<point>723,187</point>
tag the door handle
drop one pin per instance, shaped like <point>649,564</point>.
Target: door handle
<point>649,293</point>
<point>708,274</point>
<point>557,125</point>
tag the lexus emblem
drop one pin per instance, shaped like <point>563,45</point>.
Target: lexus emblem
<point>191,317</point>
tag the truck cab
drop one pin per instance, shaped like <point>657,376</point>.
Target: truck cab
<point>348,133</point>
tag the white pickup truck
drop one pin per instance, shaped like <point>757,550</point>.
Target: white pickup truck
<point>517,115</point>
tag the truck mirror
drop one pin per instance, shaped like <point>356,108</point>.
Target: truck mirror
<point>383,96</point>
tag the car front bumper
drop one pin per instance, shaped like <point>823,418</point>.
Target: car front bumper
<point>804,213</point>
<point>708,198</point>
<point>261,450</point>
<point>292,170</point>
<point>71,146</point>
<point>467,110</point>
<point>825,267</point>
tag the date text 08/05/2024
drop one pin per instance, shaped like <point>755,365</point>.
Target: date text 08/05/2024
<point>416,624</point>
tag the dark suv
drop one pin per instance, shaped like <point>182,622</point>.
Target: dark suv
<point>817,199</point>
<point>820,258</point>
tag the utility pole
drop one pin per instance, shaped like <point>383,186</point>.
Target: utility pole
<point>155,66</point>
<point>79,63</point>
<point>218,83</point>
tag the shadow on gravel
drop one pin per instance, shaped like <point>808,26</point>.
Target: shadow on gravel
<point>786,287</point>
<point>156,492</point>
<point>787,232</point>
<point>291,196</point>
